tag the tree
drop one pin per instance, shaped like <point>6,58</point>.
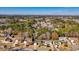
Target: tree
<point>54,36</point>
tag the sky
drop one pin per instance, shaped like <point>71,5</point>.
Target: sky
<point>39,10</point>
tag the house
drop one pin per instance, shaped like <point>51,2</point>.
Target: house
<point>3,20</point>
<point>73,34</point>
<point>62,38</point>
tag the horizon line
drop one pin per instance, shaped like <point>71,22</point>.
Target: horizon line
<point>33,15</point>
